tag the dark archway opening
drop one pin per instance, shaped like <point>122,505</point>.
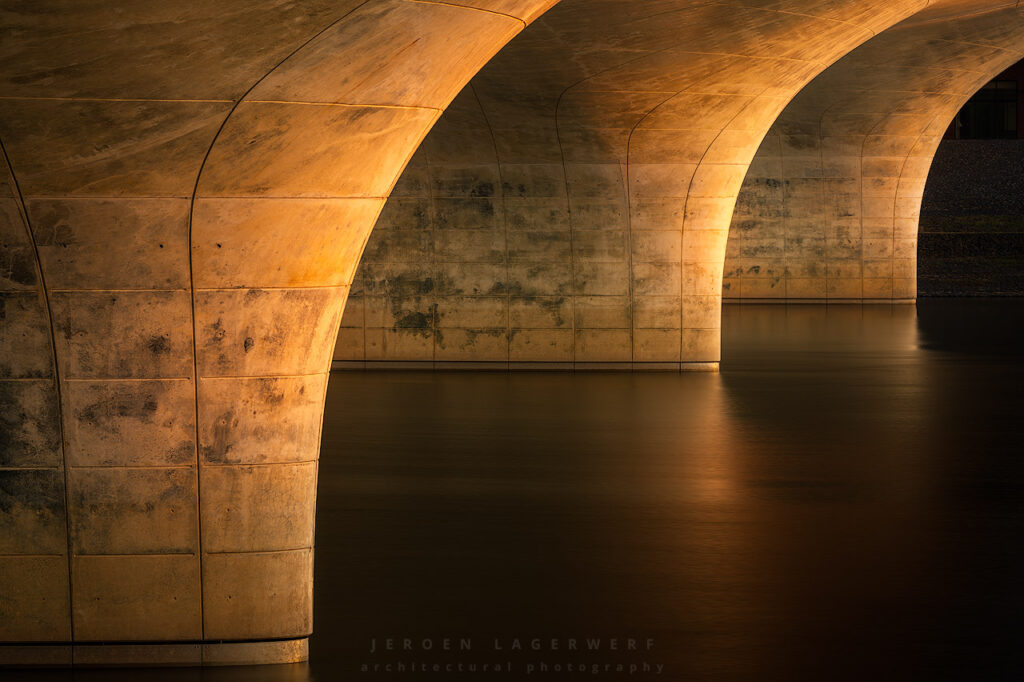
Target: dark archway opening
<point>971,240</point>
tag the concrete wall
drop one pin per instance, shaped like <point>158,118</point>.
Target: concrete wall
<point>33,498</point>
<point>829,209</point>
<point>191,186</point>
<point>194,183</point>
<point>573,209</point>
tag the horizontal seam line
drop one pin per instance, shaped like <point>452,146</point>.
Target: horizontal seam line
<point>28,556</point>
<point>263,376</point>
<point>73,379</point>
<point>131,466</point>
<point>113,99</point>
<point>113,291</point>
<point>310,287</point>
<point>264,551</point>
<point>414,107</point>
<point>232,465</point>
<point>86,197</point>
<point>191,553</point>
<point>200,198</point>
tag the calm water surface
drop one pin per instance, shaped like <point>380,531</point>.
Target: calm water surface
<point>845,501</point>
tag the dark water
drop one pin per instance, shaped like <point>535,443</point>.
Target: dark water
<point>845,501</point>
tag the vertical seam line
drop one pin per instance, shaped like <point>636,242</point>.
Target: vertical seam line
<point>192,291</point>
<point>504,222</point>
<point>23,208</point>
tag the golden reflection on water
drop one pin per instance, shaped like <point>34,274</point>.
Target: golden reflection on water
<point>842,502</point>
<point>794,517</point>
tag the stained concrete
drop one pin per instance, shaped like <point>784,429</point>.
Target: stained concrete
<point>830,207</point>
<point>32,505</point>
<point>29,424</point>
<point>130,423</point>
<point>34,583</point>
<point>199,183</point>
<point>129,510</point>
<point>187,207</point>
<point>572,207</point>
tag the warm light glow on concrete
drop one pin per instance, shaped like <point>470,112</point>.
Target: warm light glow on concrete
<point>830,207</point>
<point>185,195</point>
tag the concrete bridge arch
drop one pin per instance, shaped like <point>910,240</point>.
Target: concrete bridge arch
<point>184,211</point>
<point>830,208</point>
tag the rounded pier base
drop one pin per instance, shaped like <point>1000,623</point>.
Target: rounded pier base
<point>171,654</point>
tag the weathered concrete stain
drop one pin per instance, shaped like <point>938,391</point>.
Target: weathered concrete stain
<point>580,145</point>
<point>260,420</point>
<point>130,423</point>
<point>133,511</point>
<point>29,424</point>
<point>17,267</point>
<point>160,344</point>
<point>223,428</point>
<point>17,260</point>
<point>119,404</point>
<point>32,506</point>
<point>24,336</point>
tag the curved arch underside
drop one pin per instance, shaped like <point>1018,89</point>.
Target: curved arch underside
<point>589,234</point>
<point>191,187</point>
<point>830,207</point>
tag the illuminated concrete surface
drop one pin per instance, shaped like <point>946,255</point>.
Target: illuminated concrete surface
<point>572,207</point>
<point>830,207</point>
<point>198,181</point>
<point>187,191</point>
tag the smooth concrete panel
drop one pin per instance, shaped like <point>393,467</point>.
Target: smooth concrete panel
<point>34,601</point>
<point>657,345</point>
<point>258,596</point>
<point>137,598</point>
<point>525,10</point>
<point>120,510</point>
<point>106,148</point>
<point>186,50</point>
<point>78,239</point>
<point>456,344</point>
<point>357,61</point>
<point>604,345</point>
<point>394,344</point>
<point>273,149</point>
<point>233,239</point>
<point>259,653</point>
<point>541,345</point>
<point>258,508</point>
<point>164,655</point>
<point>35,655</point>
<point>138,655</point>
<point>540,312</point>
